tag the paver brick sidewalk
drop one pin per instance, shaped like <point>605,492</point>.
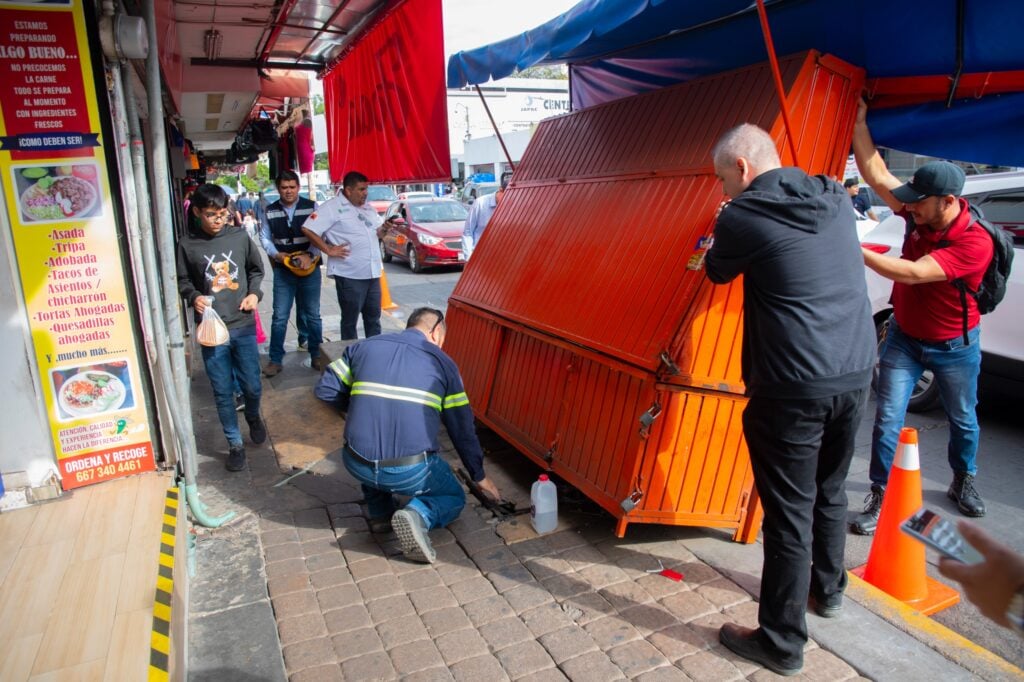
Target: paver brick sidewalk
<point>577,604</point>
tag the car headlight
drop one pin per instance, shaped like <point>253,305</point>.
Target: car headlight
<point>428,240</point>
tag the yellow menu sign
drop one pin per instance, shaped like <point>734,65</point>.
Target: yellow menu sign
<point>57,193</point>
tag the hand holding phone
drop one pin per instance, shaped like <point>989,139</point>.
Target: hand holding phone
<point>940,534</point>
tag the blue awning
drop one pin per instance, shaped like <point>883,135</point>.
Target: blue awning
<point>620,47</point>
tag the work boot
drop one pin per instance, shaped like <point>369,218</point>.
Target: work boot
<point>381,526</point>
<point>967,499</point>
<point>867,521</point>
<point>828,608</point>
<point>303,343</point>
<point>272,369</point>
<point>412,536</point>
<point>258,431</point>
<point>319,363</point>
<point>747,643</point>
<point>236,458</point>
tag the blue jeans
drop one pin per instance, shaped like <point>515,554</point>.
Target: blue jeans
<point>357,296</point>
<point>436,494</point>
<point>239,359</point>
<point>305,292</point>
<point>901,362</point>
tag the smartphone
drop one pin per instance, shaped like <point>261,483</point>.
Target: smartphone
<point>940,534</point>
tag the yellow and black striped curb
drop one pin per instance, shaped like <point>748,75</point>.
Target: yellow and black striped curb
<point>160,639</point>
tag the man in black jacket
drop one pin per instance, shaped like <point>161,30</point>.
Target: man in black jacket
<point>808,350</point>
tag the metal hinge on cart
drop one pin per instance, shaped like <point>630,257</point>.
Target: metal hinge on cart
<point>670,366</point>
<point>647,419</point>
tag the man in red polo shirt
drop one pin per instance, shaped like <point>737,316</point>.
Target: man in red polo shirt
<point>927,329</point>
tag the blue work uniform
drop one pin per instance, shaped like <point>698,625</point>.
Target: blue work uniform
<point>397,389</point>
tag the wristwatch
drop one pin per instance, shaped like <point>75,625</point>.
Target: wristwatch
<point>1015,611</point>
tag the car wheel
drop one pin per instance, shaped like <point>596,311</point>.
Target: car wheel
<point>925,395</point>
<point>414,259</point>
<point>384,255</point>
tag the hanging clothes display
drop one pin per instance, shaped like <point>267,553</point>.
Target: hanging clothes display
<point>304,150</point>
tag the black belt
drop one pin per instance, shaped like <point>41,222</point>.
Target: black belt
<point>408,460</point>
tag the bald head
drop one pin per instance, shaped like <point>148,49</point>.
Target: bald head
<point>742,154</point>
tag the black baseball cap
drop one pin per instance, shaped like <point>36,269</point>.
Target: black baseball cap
<point>851,182</point>
<point>935,179</point>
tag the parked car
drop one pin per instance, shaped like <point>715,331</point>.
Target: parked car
<point>474,190</point>
<point>380,197</point>
<point>1000,196</point>
<point>404,196</point>
<point>427,233</point>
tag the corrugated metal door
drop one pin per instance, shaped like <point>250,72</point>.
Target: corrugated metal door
<point>578,312</point>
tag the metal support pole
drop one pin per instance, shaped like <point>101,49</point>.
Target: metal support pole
<point>508,157</point>
<point>161,205</point>
<point>770,46</point>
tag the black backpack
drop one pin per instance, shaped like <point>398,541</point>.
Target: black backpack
<point>993,283</point>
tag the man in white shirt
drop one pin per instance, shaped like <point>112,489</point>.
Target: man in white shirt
<point>345,228</point>
<point>479,215</point>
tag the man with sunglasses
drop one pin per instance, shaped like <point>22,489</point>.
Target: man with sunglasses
<point>396,390</point>
<point>928,330</point>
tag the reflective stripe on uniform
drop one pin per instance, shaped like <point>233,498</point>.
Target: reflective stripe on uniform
<point>342,371</point>
<point>411,395</point>
<point>455,400</point>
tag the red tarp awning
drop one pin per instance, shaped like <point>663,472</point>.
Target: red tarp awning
<point>385,101</point>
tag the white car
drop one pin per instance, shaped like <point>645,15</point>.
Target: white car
<point>405,196</point>
<point>1000,196</point>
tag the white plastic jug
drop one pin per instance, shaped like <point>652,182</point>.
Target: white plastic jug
<point>544,505</point>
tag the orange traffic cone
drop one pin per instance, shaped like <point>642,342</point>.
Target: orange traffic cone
<point>385,296</point>
<point>896,562</point>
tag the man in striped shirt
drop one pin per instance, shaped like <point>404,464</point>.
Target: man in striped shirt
<point>397,389</point>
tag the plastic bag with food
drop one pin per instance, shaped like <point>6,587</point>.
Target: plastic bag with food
<point>211,330</point>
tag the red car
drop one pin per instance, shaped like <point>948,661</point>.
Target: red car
<point>380,197</point>
<point>428,232</point>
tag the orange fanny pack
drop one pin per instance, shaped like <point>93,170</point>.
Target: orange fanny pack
<point>291,262</point>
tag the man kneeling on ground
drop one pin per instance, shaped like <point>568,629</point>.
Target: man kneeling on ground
<point>396,390</point>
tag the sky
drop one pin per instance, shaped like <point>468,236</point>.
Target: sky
<point>474,23</point>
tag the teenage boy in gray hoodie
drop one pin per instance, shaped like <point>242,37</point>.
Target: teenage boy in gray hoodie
<point>218,261</point>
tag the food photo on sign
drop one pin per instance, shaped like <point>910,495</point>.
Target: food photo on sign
<point>49,194</point>
<point>94,389</point>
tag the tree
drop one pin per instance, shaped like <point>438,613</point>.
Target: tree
<point>318,105</point>
<point>320,162</point>
<point>554,72</point>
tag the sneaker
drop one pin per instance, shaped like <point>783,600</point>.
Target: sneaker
<point>239,402</point>
<point>381,526</point>
<point>258,432</point>
<point>967,499</point>
<point>303,343</point>
<point>236,458</point>
<point>867,521</point>
<point>319,363</point>
<point>746,643</point>
<point>412,536</point>
<point>272,369</point>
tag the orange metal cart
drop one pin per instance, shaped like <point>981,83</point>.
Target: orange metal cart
<point>585,329</point>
